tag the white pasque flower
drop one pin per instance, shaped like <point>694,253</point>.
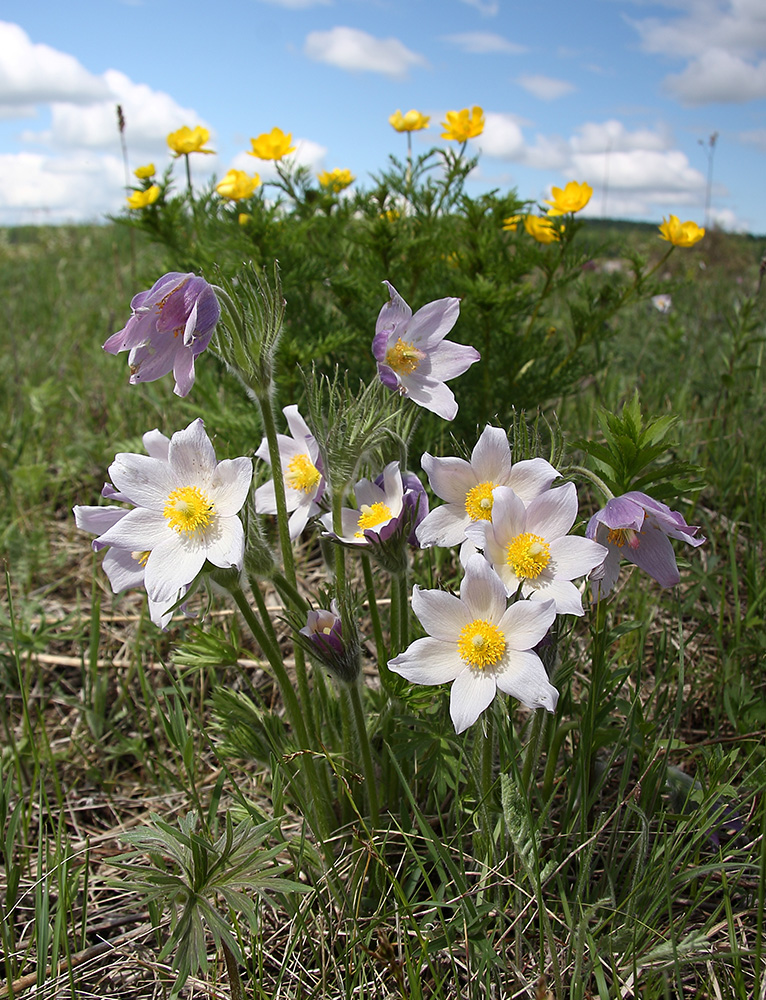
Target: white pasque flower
<point>468,486</point>
<point>529,548</point>
<point>301,472</point>
<point>380,512</point>
<point>125,569</point>
<point>185,511</point>
<point>480,645</point>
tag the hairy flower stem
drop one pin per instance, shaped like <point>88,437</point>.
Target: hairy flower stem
<point>232,971</point>
<point>286,547</point>
<point>377,628</point>
<point>371,782</point>
<point>588,777</point>
<point>531,752</point>
<point>321,802</point>
<point>339,552</point>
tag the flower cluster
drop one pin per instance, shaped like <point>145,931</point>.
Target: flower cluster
<point>335,180</point>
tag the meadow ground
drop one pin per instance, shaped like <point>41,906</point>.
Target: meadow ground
<point>656,890</point>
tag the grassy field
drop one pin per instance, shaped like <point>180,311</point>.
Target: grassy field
<point>656,890</point>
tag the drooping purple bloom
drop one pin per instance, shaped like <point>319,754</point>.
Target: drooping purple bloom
<point>638,528</point>
<point>412,355</point>
<point>172,324</point>
<point>414,503</point>
<point>324,631</point>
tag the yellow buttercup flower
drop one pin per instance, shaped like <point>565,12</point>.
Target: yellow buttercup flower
<point>189,140</point>
<point>680,234</point>
<point>335,180</point>
<point>574,197</point>
<point>140,199</point>
<point>243,218</point>
<point>237,184</point>
<point>413,121</point>
<point>272,145</point>
<point>511,223</point>
<point>143,172</point>
<point>462,125</point>
<point>541,229</point>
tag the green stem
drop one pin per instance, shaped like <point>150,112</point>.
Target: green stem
<point>188,176</point>
<point>402,593</point>
<point>377,628</point>
<point>232,972</point>
<point>286,545</point>
<point>597,481</point>
<point>531,752</point>
<point>339,550</point>
<point>355,698</point>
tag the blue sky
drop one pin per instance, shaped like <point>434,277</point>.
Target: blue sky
<point>624,94</point>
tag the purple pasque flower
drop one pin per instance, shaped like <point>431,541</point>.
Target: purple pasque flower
<point>125,569</point>
<point>413,356</point>
<point>468,487</point>
<point>480,645</point>
<point>301,471</point>
<point>530,547</point>
<point>379,515</point>
<point>636,527</point>
<point>186,511</point>
<point>414,502</point>
<point>324,631</point>
<point>172,324</point>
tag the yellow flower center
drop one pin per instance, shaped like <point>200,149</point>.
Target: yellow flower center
<point>528,555</point>
<point>302,474</point>
<point>188,510</point>
<point>481,644</point>
<point>478,502</point>
<point>404,358</point>
<point>371,516</point>
<point>140,557</point>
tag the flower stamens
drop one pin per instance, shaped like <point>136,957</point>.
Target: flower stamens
<point>188,510</point>
<point>528,555</point>
<point>481,644</point>
<point>404,357</point>
<point>370,516</point>
<point>302,474</point>
<point>478,502</point>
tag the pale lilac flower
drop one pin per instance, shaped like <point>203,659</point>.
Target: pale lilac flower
<point>301,472</point>
<point>172,324</point>
<point>662,303</point>
<point>380,511</point>
<point>531,550</point>
<point>413,356</point>
<point>125,569</point>
<point>185,511</point>
<point>638,528</point>
<point>468,487</point>
<point>480,645</point>
<point>414,502</point>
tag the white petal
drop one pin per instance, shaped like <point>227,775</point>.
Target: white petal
<point>172,566</point>
<point>525,623</point>
<point>122,570</point>
<point>509,515</point>
<point>430,394</point>
<point>442,615</point>
<point>443,525</point>
<point>553,513</point>
<point>230,485</point>
<point>482,590</point>
<point>97,519</point>
<point>297,425</point>
<point>147,481</point>
<point>156,444</point>
<point>139,530</point>
<point>531,477</point>
<point>573,556</point>
<point>433,322</point>
<point>565,594</point>
<point>192,455</point>
<point>472,692</point>
<point>491,457</point>
<point>428,661</point>
<point>524,677</point>
<point>450,478</point>
<point>265,499</point>
<point>226,544</point>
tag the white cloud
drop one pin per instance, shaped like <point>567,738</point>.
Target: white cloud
<point>723,43</point>
<point>754,137</point>
<point>352,49</point>
<point>35,74</point>
<point>484,42</point>
<point>489,8</point>
<point>718,76</point>
<point>38,189</point>
<point>598,137</point>
<point>546,88</point>
<point>502,137</point>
